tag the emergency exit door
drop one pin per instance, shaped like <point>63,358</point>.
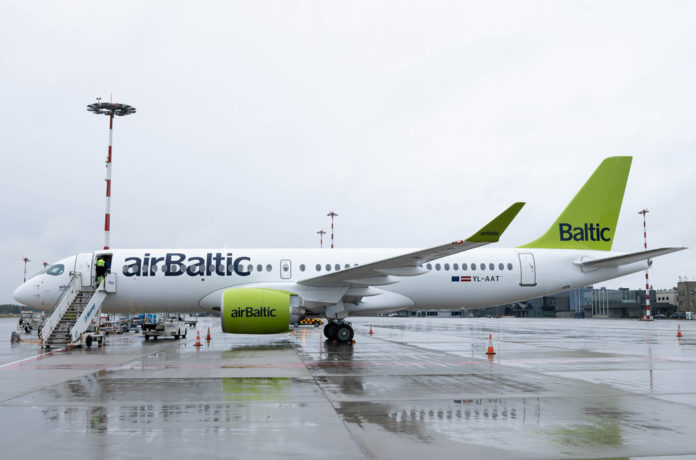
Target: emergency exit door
<point>83,266</point>
<point>527,270</point>
<point>285,269</point>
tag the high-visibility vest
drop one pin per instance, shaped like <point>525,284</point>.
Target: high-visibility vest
<point>101,263</point>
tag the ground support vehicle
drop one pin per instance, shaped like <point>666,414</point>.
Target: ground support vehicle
<point>316,322</point>
<point>164,328</point>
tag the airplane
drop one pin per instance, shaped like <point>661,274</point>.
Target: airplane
<point>265,291</point>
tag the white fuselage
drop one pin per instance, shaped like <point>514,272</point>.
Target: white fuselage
<point>194,279</point>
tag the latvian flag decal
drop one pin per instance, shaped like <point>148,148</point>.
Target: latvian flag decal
<point>463,279</point>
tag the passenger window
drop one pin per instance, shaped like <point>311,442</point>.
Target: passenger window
<point>446,267</point>
<point>491,267</point>
<point>482,266</point>
<point>429,266</point>
<point>501,267</point>
<point>509,266</point>
<point>346,266</point>
<point>437,267</point>
<point>302,267</point>
<point>259,268</point>
<point>464,267</point>
<point>473,266</point>
<point>318,267</point>
<point>337,267</point>
<point>269,268</point>
<point>455,266</point>
<point>328,267</point>
<point>56,270</point>
<point>250,268</point>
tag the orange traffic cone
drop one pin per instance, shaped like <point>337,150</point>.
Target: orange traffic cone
<point>198,339</point>
<point>490,351</point>
<point>370,329</point>
<point>679,334</point>
<point>207,338</point>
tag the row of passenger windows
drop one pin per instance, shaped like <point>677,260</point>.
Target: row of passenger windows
<point>336,267</point>
<point>473,267</point>
<point>438,267</point>
<point>303,267</point>
<point>328,267</point>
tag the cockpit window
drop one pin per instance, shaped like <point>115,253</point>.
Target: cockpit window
<point>55,270</point>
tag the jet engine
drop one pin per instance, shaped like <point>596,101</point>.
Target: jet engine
<point>259,311</point>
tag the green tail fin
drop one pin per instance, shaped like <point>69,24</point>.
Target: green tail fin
<point>589,221</point>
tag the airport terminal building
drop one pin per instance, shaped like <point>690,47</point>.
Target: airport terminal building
<point>584,302</point>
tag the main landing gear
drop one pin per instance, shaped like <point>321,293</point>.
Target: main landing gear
<point>340,331</point>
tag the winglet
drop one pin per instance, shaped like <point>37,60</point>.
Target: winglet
<point>491,232</point>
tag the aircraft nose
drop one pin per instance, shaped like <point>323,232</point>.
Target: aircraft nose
<point>23,294</point>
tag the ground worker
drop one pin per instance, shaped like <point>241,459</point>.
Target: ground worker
<point>101,270</point>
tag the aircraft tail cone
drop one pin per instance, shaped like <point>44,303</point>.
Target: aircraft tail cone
<point>207,337</point>
<point>370,329</point>
<point>679,334</point>
<point>198,339</point>
<point>490,350</point>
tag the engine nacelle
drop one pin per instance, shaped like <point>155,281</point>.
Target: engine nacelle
<point>259,311</point>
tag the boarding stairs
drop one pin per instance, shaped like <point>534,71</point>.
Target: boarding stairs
<point>74,312</point>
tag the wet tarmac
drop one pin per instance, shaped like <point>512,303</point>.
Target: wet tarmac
<point>415,388</point>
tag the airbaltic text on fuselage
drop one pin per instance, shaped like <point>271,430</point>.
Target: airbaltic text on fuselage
<point>177,264</point>
<point>589,232</point>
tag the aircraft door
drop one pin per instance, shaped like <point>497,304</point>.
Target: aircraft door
<point>527,270</point>
<point>83,266</point>
<point>285,269</point>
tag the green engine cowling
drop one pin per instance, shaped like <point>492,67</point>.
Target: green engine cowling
<point>259,311</point>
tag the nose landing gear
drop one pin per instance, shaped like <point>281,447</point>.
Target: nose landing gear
<point>340,331</point>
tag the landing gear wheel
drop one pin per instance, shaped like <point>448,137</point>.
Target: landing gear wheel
<point>330,331</point>
<point>88,341</point>
<point>344,333</point>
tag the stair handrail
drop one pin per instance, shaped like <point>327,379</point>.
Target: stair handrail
<point>90,311</point>
<point>61,306</point>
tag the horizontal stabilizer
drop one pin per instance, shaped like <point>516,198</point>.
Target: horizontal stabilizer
<point>626,259</point>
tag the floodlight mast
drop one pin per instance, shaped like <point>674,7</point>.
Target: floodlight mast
<point>332,215</point>
<point>26,260</point>
<point>648,314</point>
<point>110,109</point>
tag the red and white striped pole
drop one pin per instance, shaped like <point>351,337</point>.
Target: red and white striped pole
<point>107,215</point>
<point>648,316</point>
<point>111,109</point>
<point>26,259</point>
<point>321,238</point>
<point>332,215</point>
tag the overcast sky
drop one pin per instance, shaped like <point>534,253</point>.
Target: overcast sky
<point>417,122</point>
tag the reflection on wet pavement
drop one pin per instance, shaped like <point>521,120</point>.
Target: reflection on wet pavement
<point>417,387</point>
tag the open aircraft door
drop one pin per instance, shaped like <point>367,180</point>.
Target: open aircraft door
<point>83,266</point>
<point>527,270</point>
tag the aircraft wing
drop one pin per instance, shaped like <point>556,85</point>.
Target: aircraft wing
<point>626,259</point>
<point>387,271</point>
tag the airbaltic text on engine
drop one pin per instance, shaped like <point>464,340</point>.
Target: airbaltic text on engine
<point>590,232</point>
<point>251,312</point>
<point>177,264</point>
